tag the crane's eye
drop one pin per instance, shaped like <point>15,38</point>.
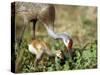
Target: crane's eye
<point>70,43</point>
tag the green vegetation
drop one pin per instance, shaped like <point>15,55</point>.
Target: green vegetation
<point>82,58</point>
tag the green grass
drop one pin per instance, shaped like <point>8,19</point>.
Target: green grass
<point>82,58</point>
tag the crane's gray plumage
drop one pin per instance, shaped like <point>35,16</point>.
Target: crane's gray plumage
<point>64,36</point>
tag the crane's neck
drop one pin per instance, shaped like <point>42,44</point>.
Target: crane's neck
<point>64,36</point>
<point>51,32</point>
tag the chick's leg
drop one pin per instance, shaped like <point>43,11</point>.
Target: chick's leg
<point>38,58</point>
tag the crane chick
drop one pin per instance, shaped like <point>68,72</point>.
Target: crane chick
<point>39,48</point>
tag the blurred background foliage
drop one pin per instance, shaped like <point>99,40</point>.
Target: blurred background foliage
<point>80,22</point>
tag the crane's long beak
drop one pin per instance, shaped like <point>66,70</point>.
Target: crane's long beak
<point>70,52</point>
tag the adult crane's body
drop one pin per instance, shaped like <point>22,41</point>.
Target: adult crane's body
<point>33,12</point>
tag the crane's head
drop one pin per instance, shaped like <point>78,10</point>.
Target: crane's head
<point>66,39</point>
<point>69,43</point>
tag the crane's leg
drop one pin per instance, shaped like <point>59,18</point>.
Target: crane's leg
<point>23,30</point>
<point>38,58</point>
<point>20,39</point>
<point>33,29</point>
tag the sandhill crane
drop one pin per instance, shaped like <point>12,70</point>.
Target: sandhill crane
<point>45,13</point>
